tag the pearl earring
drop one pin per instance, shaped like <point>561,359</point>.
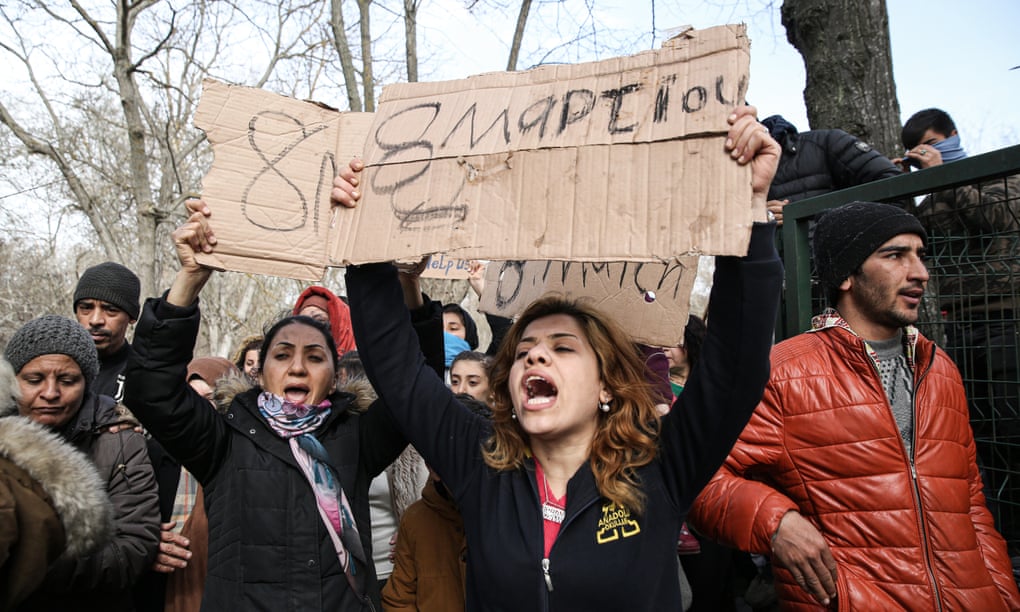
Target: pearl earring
<point>513,414</point>
<point>604,406</point>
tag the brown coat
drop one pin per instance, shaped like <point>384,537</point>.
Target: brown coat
<point>429,566</point>
<point>184,587</point>
<point>52,501</point>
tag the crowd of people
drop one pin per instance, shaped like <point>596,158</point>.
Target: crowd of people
<point>363,453</point>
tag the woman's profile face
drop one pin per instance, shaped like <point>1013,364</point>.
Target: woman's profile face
<point>555,386</point>
<point>299,365</point>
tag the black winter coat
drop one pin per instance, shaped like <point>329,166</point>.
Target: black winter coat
<point>268,549</point>
<point>820,161</point>
<point>605,558</point>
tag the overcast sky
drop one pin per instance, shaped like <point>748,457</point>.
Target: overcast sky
<point>946,53</point>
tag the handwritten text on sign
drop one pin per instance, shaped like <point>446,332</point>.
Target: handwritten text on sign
<point>608,161</point>
<point>649,300</point>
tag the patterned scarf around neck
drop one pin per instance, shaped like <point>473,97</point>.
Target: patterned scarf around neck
<point>297,423</point>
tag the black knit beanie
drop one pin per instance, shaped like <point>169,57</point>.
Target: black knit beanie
<point>54,335</point>
<point>847,235</point>
<point>110,282</point>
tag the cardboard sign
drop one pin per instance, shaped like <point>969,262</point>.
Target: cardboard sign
<point>650,300</point>
<point>268,188</point>
<point>619,160</point>
<point>443,266</point>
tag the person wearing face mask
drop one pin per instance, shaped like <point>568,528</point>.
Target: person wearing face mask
<point>285,465</point>
<point>975,257</point>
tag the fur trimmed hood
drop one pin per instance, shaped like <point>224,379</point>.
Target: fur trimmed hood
<point>407,475</point>
<point>78,493</point>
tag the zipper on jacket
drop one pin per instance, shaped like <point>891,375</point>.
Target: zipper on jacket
<point>915,489</point>
<point>545,561</point>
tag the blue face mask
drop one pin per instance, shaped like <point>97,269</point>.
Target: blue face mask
<point>454,345</point>
<point>950,149</point>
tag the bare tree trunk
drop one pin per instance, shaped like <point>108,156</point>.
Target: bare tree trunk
<point>411,39</point>
<point>336,22</point>
<point>130,98</point>
<point>515,46</point>
<point>847,56</point>
<point>367,80</point>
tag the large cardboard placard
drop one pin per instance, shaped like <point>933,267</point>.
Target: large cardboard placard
<point>648,299</point>
<point>619,160</point>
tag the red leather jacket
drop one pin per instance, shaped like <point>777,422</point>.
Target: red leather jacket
<point>907,532</point>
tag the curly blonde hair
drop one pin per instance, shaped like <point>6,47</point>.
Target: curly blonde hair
<point>626,437</point>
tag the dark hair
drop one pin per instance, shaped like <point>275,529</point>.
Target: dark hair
<point>470,329</point>
<point>694,337</point>
<point>350,365</point>
<point>476,406</point>
<point>477,356</point>
<point>299,320</point>
<point>922,121</point>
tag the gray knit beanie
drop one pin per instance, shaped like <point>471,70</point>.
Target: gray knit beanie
<point>847,235</point>
<point>54,335</point>
<point>110,282</point>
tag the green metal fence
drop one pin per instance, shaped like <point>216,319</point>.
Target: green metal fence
<point>972,307</point>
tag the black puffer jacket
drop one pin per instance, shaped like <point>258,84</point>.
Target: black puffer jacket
<point>103,580</point>
<point>817,162</point>
<point>268,549</point>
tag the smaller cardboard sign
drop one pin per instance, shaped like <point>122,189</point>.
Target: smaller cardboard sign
<point>649,300</point>
<point>447,267</point>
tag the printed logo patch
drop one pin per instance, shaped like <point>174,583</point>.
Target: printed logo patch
<point>615,523</point>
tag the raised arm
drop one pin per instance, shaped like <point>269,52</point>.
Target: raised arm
<point>727,382</point>
<point>156,390</point>
<point>444,432</point>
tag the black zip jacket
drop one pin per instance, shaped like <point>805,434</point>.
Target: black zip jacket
<point>268,549</point>
<point>604,558</point>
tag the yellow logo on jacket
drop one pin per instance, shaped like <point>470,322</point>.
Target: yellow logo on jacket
<point>615,524</point>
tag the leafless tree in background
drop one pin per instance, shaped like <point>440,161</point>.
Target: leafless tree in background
<point>98,150</point>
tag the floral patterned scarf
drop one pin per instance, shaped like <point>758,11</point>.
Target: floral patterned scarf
<point>297,424</point>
